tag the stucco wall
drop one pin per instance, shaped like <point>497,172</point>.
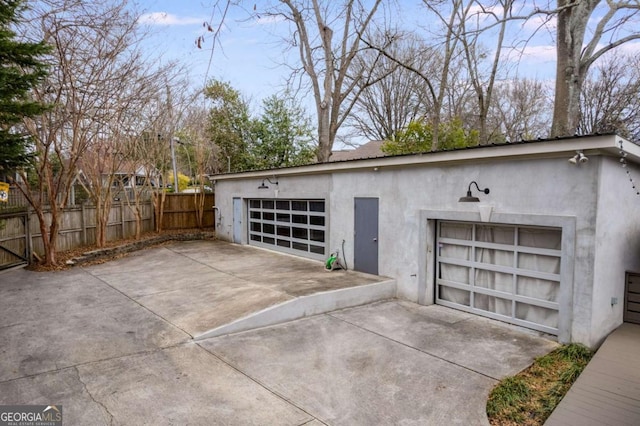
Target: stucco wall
<point>519,189</point>
<point>617,244</point>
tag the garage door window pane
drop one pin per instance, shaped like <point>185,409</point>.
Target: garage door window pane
<point>317,235</point>
<point>300,233</point>
<point>454,295</point>
<point>268,216</point>
<point>493,304</point>
<point>538,289</point>
<point>316,220</point>
<point>282,205</point>
<point>284,243</point>
<point>299,206</point>
<point>540,238</point>
<point>269,240</point>
<point>267,204</point>
<point>537,314</point>
<point>455,251</point>
<point>255,237</point>
<point>284,231</point>
<point>454,273</point>
<point>300,246</point>
<point>494,257</point>
<point>255,215</point>
<point>256,227</point>
<point>267,228</point>
<point>296,218</point>
<point>495,234</point>
<point>459,231</point>
<point>316,249</point>
<point>316,206</point>
<point>494,280</point>
<point>254,204</point>
<point>539,262</point>
<point>281,217</point>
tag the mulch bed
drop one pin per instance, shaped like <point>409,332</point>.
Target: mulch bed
<point>90,255</point>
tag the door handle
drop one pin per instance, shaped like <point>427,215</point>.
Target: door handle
<point>375,240</point>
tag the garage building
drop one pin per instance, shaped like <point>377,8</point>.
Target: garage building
<point>552,245</point>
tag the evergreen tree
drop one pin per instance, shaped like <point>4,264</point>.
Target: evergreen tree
<point>21,68</point>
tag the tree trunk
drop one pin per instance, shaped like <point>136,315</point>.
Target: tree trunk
<point>570,74</point>
<point>325,143</point>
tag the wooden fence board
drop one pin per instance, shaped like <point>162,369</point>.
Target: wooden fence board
<point>180,211</point>
<point>78,224</point>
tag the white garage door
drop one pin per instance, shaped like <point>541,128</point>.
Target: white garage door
<point>510,273</point>
<point>292,226</point>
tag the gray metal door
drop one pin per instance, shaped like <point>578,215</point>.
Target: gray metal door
<point>237,220</point>
<point>366,235</point>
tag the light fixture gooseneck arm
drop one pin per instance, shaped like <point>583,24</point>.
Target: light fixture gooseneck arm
<point>473,182</point>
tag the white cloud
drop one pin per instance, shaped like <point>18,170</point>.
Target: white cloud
<point>270,19</point>
<point>532,54</point>
<point>164,18</point>
<point>631,48</point>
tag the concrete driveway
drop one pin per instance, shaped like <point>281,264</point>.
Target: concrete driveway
<point>113,344</point>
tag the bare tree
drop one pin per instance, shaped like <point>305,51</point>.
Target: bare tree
<point>89,44</point>
<point>437,83</point>
<point>578,49</point>
<point>195,137</point>
<point>610,100</point>
<point>389,105</point>
<point>99,82</point>
<point>520,110</point>
<point>328,62</point>
<point>483,82</point>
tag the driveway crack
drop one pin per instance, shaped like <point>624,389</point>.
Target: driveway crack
<point>84,385</point>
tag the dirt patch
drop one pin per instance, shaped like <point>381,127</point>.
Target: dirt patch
<point>90,255</point>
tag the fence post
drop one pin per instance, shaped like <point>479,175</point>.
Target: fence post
<point>122,221</point>
<point>83,223</point>
<point>27,235</point>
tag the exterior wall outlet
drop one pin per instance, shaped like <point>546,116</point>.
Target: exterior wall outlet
<point>614,301</point>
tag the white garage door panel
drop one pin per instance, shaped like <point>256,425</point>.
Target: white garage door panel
<point>291,226</point>
<point>511,273</point>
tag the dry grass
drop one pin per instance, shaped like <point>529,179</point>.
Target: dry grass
<point>530,397</point>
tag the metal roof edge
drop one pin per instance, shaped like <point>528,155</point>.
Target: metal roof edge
<point>609,144</point>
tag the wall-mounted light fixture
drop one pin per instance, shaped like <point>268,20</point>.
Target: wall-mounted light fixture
<point>470,198</point>
<point>265,186</point>
<point>579,158</point>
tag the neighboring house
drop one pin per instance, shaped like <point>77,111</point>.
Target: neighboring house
<point>548,248</point>
<point>122,175</point>
<point>371,149</point>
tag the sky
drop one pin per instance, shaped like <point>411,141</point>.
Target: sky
<point>250,53</point>
<point>247,56</point>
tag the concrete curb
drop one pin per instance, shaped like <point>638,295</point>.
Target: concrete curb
<point>138,245</point>
<point>305,306</point>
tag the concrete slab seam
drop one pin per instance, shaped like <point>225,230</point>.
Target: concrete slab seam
<point>95,361</point>
<point>414,348</point>
<point>259,383</point>
<point>208,266</point>
<point>139,304</point>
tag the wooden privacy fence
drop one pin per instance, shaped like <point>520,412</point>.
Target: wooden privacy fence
<point>20,231</point>
<point>180,211</point>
